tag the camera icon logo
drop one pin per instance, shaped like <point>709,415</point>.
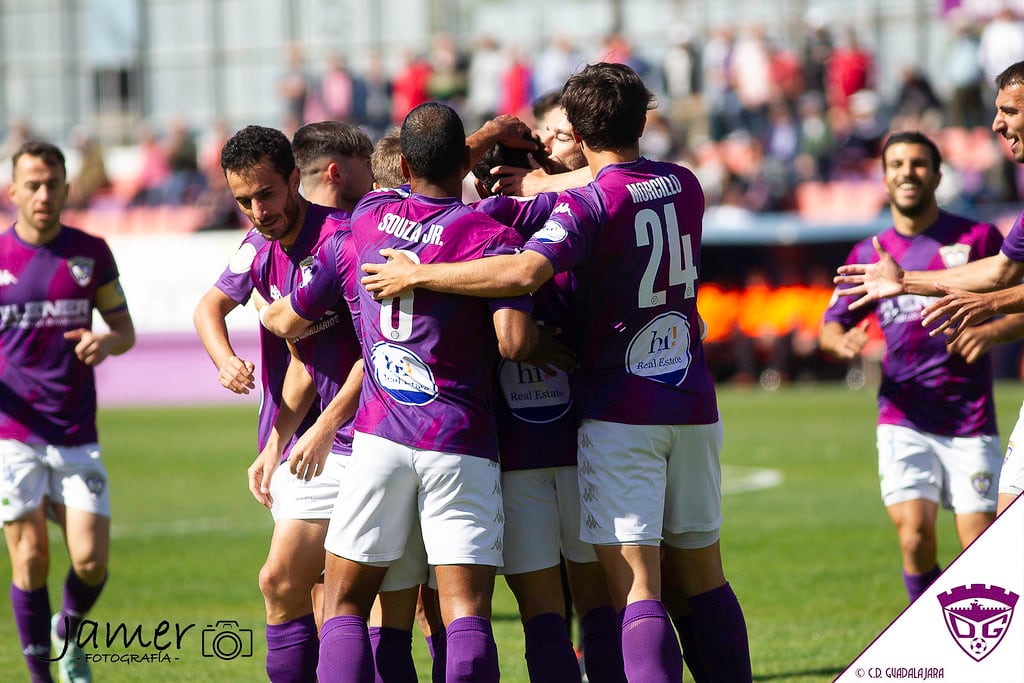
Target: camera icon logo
<point>225,640</point>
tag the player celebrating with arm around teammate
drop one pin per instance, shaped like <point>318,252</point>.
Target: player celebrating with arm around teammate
<point>650,439</point>
<point>425,444</point>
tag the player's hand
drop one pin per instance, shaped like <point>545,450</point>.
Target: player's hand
<point>972,342</point>
<point>390,279</point>
<point>90,348</point>
<point>552,354</point>
<point>853,342</point>
<point>237,375</point>
<point>521,182</point>
<point>511,132</point>
<point>259,474</point>
<point>960,310</point>
<point>308,455</point>
<point>872,281</point>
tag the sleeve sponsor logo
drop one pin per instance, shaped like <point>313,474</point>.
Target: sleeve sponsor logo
<point>81,268</point>
<point>241,262</point>
<point>552,232</point>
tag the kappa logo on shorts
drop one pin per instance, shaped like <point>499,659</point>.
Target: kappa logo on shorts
<point>81,268</point>
<point>592,523</point>
<point>978,617</point>
<point>982,482</point>
<point>588,495</point>
<point>585,466</point>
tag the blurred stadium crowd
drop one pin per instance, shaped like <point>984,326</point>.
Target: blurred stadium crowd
<point>766,126</point>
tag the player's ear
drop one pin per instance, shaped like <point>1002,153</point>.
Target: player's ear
<point>405,167</point>
<point>467,165</point>
<point>642,126</point>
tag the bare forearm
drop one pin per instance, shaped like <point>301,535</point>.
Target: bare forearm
<point>496,276</point>
<point>343,406</point>
<point>209,321</point>
<point>983,275</point>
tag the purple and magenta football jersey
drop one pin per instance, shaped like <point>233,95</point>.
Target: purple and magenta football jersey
<point>329,347</point>
<point>236,282</point>
<point>923,386</point>
<point>633,237</point>
<point>47,395</point>
<point>1013,245</point>
<point>429,357</point>
<point>536,414</point>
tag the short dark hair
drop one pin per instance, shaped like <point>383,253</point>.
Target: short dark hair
<point>500,155</point>
<point>434,142</point>
<point>386,160</point>
<point>1011,75</point>
<point>545,103</point>
<point>913,137</point>
<point>606,105</point>
<point>49,153</point>
<point>247,147</point>
<point>315,142</point>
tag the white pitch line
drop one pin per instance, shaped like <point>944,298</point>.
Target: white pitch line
<point>736,479</point>
<point>187,527</point>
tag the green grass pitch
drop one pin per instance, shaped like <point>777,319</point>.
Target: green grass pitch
<point>813,559</point>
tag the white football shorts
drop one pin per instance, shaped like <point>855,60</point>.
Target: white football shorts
<point>644,484</point>
<point>542,517</point>
<point>457,498</point>
<point>296,498</point>
<point>1011,475</point>
<point>73,476</point>
<point>958,472</point>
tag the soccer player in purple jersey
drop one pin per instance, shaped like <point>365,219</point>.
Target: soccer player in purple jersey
<point>425,444</point>
<point>938,443</point>
<point>647,402</point>
<point>261,170</point>
<point>537,421</point>
<point>970,293</point>
<point>51,278</point>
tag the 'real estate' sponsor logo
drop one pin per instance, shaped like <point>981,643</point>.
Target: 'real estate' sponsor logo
<point>978,617</point>
<point>532,394</point>
<point>661,350</point>
<point>128,644</point>
<point>402,375</point>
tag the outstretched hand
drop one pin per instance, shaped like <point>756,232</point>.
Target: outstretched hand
<point>871,281</point>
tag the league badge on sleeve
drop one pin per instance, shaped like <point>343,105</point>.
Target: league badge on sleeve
<point>81,268</point>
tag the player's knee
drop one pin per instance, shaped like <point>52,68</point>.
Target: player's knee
<point>30,568</point>
<point>92,572</point>
<point>276,582</point>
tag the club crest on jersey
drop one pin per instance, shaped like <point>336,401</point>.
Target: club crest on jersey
<point>402,375</point>
<point>978,617</point>
<point>955,254</point>
<point>306,267</point>
<point>552,232</point>
<point>982,482</point>
<point>661,350</point>
<point>531,394</point>
<point>81,268</point>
